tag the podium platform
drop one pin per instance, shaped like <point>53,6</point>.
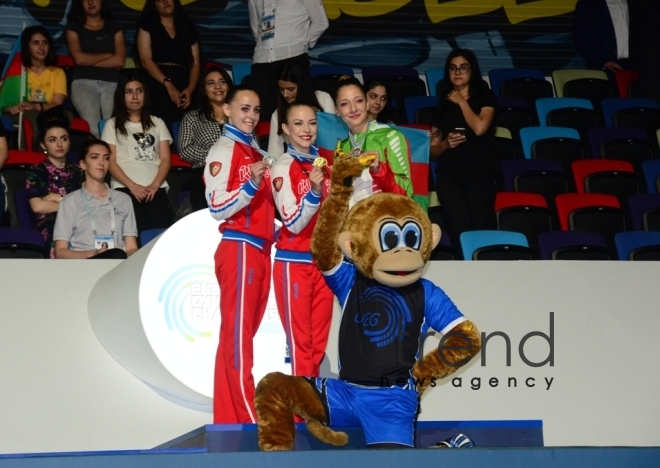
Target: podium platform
<point>243,437</point>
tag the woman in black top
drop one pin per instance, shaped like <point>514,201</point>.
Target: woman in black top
<point>465,183</point>
<point>98,49</point>
<point>168,50</point>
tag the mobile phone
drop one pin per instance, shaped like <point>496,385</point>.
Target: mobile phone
<point>459,130</point>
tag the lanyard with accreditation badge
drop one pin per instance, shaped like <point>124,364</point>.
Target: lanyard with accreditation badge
<point>267,21</point>
<point>101,242</point>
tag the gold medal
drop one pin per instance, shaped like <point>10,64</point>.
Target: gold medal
<point>320,162</point>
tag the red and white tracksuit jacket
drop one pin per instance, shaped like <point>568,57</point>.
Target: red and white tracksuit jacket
<point>304,300</point>
<point>242,266</point>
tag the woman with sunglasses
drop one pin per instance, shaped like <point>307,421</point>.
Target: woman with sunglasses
<point>461,124</point>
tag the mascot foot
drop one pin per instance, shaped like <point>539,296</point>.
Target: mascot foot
<point>458,441</point>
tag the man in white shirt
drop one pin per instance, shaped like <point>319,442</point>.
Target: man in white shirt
<point>600,34</point>
<point>284,31</point>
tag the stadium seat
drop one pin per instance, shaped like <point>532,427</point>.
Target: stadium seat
<point>15,173</point>
<point>325,77</point>
<point>607,176</point>
<point>148,235</point>
<point>444,250</point>
<point>638,245</point>
<point>178,178</point>
<point>592,212</point>
<point>21,243</point>
<point>624,144</point>
<point>402,82</point>
<point>567,112</point>
<point>240,71</point>
<point>26,218</point>
<point>563,76</point>
<point>102,126</point>
<point>527,213</point>
<point>552,143</point>
<point>623,79</point>
<point>546,178</point>
<point>526,84</point>
<point>175,134</point>
<point>612,107</point>
<point>495,245</point>
<point>420,109</point>
<point>433,77</point>
<point>645,211</point>
<point>592,89</point>
<point>651,171</point>
<point>263,133</point>
<point>10,131</point>
<point>571,245</point>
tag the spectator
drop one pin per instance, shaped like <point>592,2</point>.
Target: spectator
<point>304,300</point>
<point>95,221</point>
<point>294,84</point>
<point>46,83</point>
<point>284,31</point>
<point>139,153</point>
<point>49,181</point>
<point>168,50</point>
<point>600,34</point>
<point>378,103</point>
<point>465,184</point>
<point>97,46</point>
<point>644,33</point>
<point>202,128</point>
<point>239,193</point>
<point>390,172</point>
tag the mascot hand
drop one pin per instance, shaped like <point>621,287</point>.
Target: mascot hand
<point>346,167</point>
<point>460,344</point>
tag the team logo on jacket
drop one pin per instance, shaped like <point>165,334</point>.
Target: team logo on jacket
<point>215,167</point>
<point>277,183</point>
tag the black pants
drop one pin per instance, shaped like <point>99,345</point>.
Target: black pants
<point>197,189</point>
<point>153,215</point>
<point>263,78</point>
<point>115,254</point>
<point>468,201</point>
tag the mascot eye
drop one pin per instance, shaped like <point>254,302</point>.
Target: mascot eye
<point>390,235</point>
<point>412,235</point>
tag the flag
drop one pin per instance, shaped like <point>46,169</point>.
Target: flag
<point>13,76</point>
<point>332,128</point>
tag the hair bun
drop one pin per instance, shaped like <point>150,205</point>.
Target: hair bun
<point>55,116</point>
<point>345,78</point>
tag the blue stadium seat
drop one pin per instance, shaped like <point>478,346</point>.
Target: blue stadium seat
<point>420,108</point>
<point>239,71</point>
<point>612,106</point>
<point>638,245</point>
<point>433,76</point>
<point>652,175</point>
<point>148,235</point>
<point>495,245</point>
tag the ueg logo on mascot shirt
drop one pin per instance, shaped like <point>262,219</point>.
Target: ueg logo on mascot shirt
<point>475,382</point>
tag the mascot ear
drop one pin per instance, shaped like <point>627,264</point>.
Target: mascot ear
<point>344,241</point>
<point>436,235</point>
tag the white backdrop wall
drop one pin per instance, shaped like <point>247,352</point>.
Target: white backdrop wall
<point>61,391</point>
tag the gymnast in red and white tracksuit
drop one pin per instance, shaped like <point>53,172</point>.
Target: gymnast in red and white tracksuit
<point>238,193</point>
<point>304,300</point>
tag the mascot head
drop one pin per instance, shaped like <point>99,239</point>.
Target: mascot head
<point>389,238</point>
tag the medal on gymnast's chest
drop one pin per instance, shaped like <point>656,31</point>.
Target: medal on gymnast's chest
<point>356,145</point>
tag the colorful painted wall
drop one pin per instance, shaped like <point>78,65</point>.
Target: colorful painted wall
<point>504,33</point>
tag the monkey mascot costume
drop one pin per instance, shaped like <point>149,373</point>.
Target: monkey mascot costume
<point>372,258</point>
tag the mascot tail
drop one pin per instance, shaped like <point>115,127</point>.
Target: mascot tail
<point>325,434</point>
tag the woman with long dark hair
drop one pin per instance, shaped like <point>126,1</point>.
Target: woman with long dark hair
<point>168,49</point>
<point>48,181</point>
<point>201,128</point>
<point>378,100</point>
<point>294,85</point>
<point>140,153</point>
<point>390,172</point>
<point>46,83</point>
<point>97,46</point>
<point>465,184</point>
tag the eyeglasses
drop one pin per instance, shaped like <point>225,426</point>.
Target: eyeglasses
<point>459,70</point>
